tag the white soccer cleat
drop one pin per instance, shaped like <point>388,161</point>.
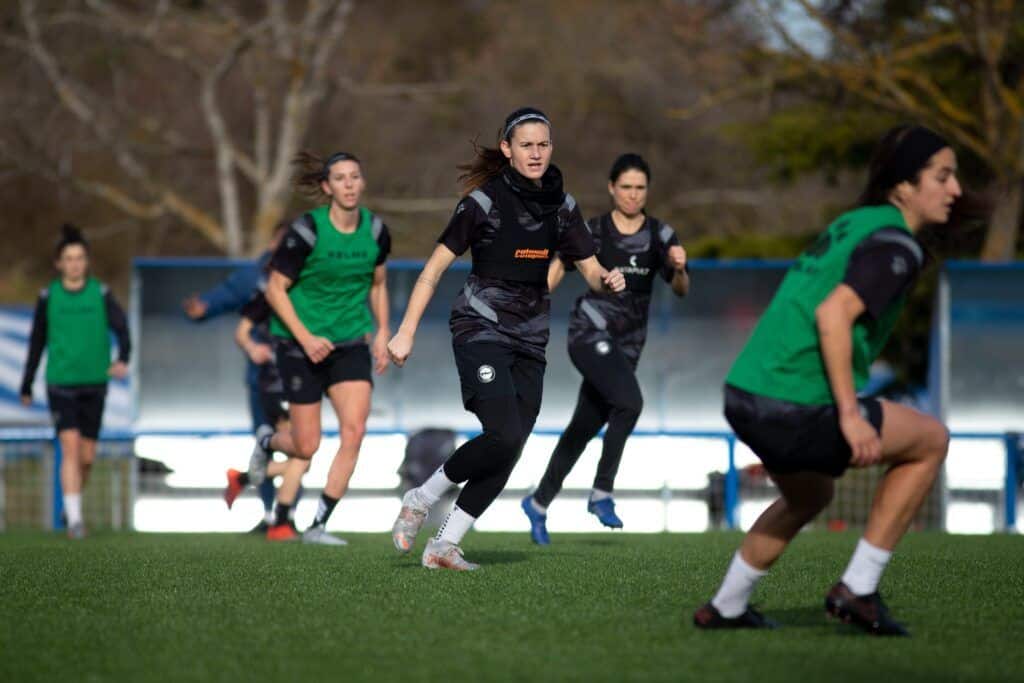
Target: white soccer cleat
<point>260,457</point>
<point>409,522</point>
<point>446,555</point>
<point>319,536</point>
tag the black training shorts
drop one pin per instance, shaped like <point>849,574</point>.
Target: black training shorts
<point>488,370</point>
<point>77,407</point>
<point>793,437</point>
<point>308,382</point>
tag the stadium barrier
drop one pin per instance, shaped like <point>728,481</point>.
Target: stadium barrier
<point>682,471</point>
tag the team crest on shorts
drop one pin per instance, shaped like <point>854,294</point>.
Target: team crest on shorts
<point>296,382</point>
<point>602,347</point>
<point>485,373</point>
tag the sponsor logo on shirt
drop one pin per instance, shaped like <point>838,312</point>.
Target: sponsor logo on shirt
<point>349,255</point>
<point>485,373</point>
<point>531,254</point>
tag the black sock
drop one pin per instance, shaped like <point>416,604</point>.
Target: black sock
<point>282,513</point>
<point>243,478</point>
<point>324,509</point>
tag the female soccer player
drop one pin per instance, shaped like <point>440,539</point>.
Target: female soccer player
<point>606,335</point>
<point>513,219</point>
<point>331,261</point>
<point>253,336</point>
<point>73,319</point>
<point>791,394</point>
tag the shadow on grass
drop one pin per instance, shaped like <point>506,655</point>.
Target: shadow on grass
<point>800,617</point>
<point>484,558</point>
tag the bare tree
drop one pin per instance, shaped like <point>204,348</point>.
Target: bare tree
<point>141,128</point>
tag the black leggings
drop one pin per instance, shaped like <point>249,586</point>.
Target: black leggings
<point>503,389</point>
<point>609,394</point>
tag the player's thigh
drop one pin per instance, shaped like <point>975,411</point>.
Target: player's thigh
<point>351,402</point>
<point>908,434</point>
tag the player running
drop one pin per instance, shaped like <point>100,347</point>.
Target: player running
<point>513,219</point>
<point>606,335</point>
<point>329,264</point>
<point>73,320</point>
<point>791,394</point>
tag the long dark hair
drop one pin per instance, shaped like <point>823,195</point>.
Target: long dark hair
<point>489,162</point>
<point>313,170</point>
<point>901,155</point>
<point>69,235</point>
<point>629,162</point>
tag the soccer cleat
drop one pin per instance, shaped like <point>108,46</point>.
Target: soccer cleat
<point>234,487</point>
<point>708,617</point>
<point>318,535</point>
<point>865,611</point>
<point>409,522</point>
<point>446,555</point>
<point>260,456</point>
<point>604,509</point>
<point>282,532</point>
<point>538,522</point>
<point>76,532</point>
<point>260,528</point>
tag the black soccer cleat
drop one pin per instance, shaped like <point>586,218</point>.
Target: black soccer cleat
<point>708,617</point>
<point>865,611</point>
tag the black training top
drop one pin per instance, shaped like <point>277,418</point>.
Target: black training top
<point>504,301</point>
<point>883,268</point>
<point>622,316</point>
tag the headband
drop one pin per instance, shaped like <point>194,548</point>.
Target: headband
<point>529,116</point>
<point>335,158</point>
<point>911,155</point>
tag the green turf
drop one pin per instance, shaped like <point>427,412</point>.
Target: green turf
<point>139,607</point>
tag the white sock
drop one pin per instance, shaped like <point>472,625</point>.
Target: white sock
<point>436,486</point>
<point>537,506</point>
<point>268,516</point>
<point>737,587</point>
<point>865,568</point>
<point>455,526</point>
<point>598,494</point>
<point>73,508</point>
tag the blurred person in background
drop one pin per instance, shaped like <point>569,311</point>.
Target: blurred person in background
<point>792,396</point>
<point>607,332</point>
<point>229,297</point>
<point>514,218</point>
<point>253,336</point>
<point>329,265</point>
<point>73,320</point>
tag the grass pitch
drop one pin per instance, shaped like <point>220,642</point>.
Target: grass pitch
<point>137,607</point>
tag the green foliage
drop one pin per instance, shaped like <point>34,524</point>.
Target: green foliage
<point>748,245</point>
<point>811,137</point>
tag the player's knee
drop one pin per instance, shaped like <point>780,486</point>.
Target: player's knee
<point>810,503</point>
<point>938,441</point>
<point>352,433</point>
<point>306,448</point>
<point>506,443</point>
<point>629,407</point>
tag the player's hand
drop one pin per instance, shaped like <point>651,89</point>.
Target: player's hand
<point>863,439</point>
<point>676,257</point>
<point>194,307</point>
<point>118,370</point>
<point>613,281</point>
<point>399,348</point>
<point>380,352</point>
<point>260,354</point>
<point>317,348</point>
<point>26,400</point>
